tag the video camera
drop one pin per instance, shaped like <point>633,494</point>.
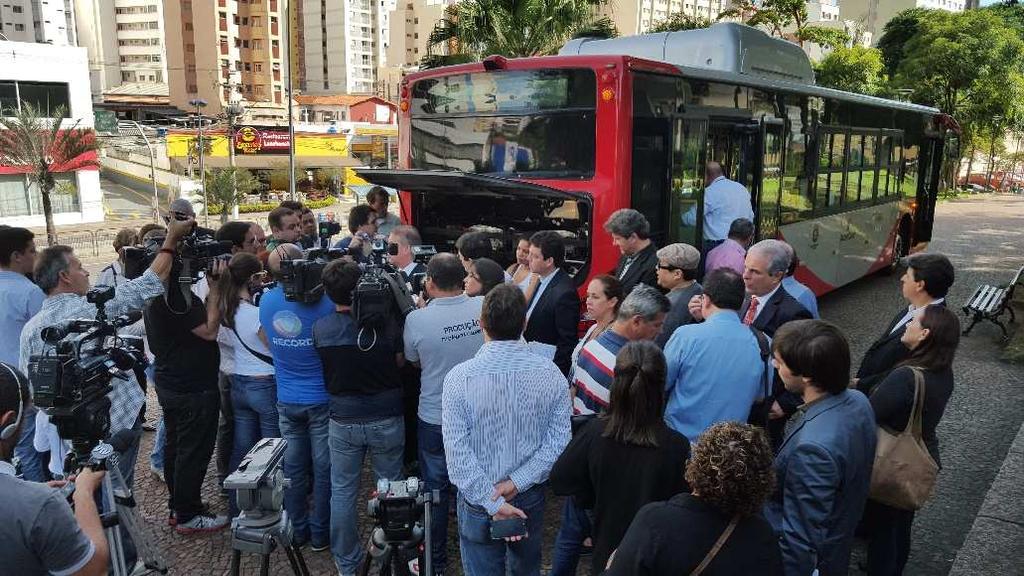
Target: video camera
<point>196,253</point>
<point>71,381</point>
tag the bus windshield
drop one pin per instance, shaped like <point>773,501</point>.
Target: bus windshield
<point>532,123</point>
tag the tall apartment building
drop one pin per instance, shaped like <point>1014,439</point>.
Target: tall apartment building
<point>872,15</point>
<point>637,16</point>
<point>225,51</point>
<point>42,21</point>
<point>125,40</point>
<point>344,43</point>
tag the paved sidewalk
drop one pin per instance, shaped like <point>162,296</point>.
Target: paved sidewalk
<point>996,540</point>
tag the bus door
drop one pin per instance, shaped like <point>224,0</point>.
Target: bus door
<point>766,190</point>
<point>928,189</point>
<point>686,205</point>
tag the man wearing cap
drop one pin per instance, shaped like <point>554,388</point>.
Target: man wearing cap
<point>677,269</point>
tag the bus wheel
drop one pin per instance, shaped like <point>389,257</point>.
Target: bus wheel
<point>898,251</point>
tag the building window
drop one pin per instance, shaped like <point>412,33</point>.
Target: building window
<point>257,67</point>
<point>17,9</point>
<point>19,27</point>
<point>43,96</point>
<point>20,197</point>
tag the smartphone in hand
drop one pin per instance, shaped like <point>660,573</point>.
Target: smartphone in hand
<point>501,529</point>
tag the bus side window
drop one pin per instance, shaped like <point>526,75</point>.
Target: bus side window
<point>854,173</point>
<point>868,174</point>
<point>797,193</point>
<point>687,180</point>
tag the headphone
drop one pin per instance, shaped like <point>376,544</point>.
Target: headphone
<point>9,430</point>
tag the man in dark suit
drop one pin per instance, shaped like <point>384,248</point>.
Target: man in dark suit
<point>638,264</point>
<point>823,469</point>
<point>767,307</point>
<point>925,283</point>
<point>400,243</point>
<point>553,314</point>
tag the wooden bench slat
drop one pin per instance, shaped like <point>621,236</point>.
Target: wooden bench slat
<point>992,294</point>
<point>979,302</point>
<point>996,301</point>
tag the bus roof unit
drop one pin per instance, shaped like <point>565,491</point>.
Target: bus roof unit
<point>725,47</point>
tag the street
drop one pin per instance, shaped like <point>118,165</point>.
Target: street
<point>982,235</point>
<point>128,199</point>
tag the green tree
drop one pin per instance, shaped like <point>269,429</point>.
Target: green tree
<point>896,33</point>
<point>855,69</point>
<point>227,187</point>
<point>514,28</point>
<point>789,18</point>
<point>30,139</point>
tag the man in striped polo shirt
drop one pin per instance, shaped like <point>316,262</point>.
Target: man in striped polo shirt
<point>640,318</point>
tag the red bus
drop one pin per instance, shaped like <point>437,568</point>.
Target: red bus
<point>513,146</point>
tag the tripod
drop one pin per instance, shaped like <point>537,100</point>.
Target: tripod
<point>118,511</point>
<point>261,535</point>
<point>396,557</point>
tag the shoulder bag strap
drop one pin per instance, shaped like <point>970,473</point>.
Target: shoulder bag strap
<point>263,357</point>
<point>914,423</point>
<point>718,546</point>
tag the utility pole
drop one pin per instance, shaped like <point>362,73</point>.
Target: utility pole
<point>234,111</point>
<point>199,103</point>
<point>288,96</point>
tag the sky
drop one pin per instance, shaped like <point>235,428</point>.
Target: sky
<point>988,2</point>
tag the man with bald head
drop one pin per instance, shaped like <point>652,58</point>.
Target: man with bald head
<point>724,201</point>
<point>302,401</point>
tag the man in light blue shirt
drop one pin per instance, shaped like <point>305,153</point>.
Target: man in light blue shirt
<point>715,368</point>
<point>798,290</point>
<point>724,201</point>
<point>20,300</point>
<point>505,417</point>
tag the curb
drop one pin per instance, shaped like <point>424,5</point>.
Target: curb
<point>995,544</point>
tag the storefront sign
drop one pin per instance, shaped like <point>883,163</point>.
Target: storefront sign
<point>252,140</point>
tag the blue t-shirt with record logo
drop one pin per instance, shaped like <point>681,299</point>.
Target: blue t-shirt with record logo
<point>289,330</point>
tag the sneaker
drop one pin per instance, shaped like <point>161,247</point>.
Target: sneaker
<point>202,523</point>
<point>157,473</point>
<point>319,547</point>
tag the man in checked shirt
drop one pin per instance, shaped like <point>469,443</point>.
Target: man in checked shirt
<point>60,275</point>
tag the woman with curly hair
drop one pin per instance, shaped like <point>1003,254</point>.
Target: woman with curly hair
<point>718,528</point>
<point>626,457</point>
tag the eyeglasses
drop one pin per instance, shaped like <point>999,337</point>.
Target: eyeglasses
<point>667,267</point>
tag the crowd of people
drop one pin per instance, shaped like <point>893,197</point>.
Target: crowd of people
<point>706,421</point>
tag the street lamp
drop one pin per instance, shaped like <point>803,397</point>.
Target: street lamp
<point>132,128</point>
<point>199,104</point>
<point>234,111</point>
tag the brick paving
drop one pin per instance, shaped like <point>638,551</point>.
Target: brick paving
<point>210,554</point>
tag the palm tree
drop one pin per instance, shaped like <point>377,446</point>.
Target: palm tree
<point>515,28</point>
<point>34,141</point>
<point>228,187</point>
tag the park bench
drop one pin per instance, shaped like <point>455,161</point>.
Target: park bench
<point>989,302</point>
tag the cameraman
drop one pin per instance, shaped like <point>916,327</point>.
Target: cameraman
<point>186,375</point>
<point>60,274</point>
<point>361,373</point>
<point>302,402</point>
<point>40,533</point>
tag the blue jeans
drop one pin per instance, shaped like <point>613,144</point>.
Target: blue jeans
<point>156,457</point>
<point>482,556</point>
<point>254,410</point>
<point>575,528</point>
<point>305,429</point>
<point>33,467</point>
<point>349,443</point>
<point>434,470</point>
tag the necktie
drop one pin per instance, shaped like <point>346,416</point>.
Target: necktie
<point>751,312</point>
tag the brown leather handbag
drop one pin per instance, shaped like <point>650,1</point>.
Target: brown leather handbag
<point>904,472</point>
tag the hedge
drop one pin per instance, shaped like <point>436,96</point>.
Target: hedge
<point>215,209</point>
